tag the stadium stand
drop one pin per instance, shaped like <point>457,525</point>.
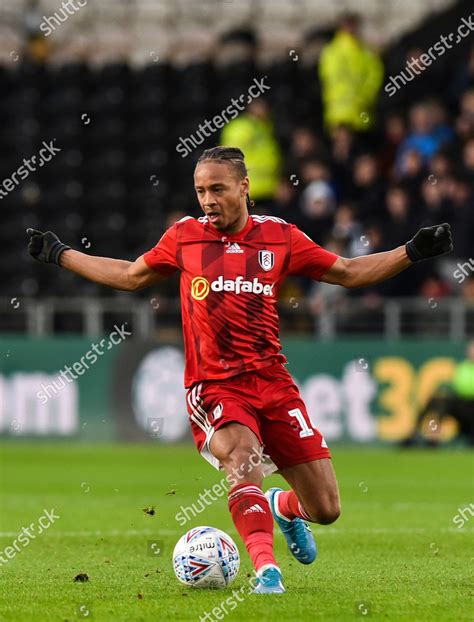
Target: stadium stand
<point>117,111</point>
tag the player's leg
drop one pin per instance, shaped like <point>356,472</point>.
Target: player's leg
<point>303,458</point>
<point>236,446</point>
<point>227,434</point>
<point>239,451</point>
<point>314,495</point>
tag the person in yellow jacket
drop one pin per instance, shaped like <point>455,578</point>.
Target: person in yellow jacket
<point>351,77</point>
<point>253,132</point>
<point>463,381</point>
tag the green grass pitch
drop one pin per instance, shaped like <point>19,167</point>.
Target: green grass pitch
<point>395,553</point>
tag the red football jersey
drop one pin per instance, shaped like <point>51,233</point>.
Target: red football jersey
<point>229,288</point>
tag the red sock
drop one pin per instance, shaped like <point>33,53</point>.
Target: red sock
<point>254,521</point>
<point>290,507</point>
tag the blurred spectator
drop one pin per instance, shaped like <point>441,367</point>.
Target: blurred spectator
<point>348,230</point>
<point>368,189</point>
<point>440,167</point>
<point>422,84</point>
<point>286,204</point>
<point>463,77</point>
<point>314,170</point>
<point>411,165</point>
<point>463,380</point>
<point>351,76</point>
<point>373,239</point>
<point>468,159</point>
<point>394,128</point>
<point>456,401</point>
<point>434,205</point>
<point>316,214</point>
<point>253,131</point>
<point>343,153</point>
<point>412,173</point>
<point>460,195</point>
<point>428,133</point>
<point>304,144</point>
<point>443,131</point>
<point>399,226</point>
<point>465,121</point>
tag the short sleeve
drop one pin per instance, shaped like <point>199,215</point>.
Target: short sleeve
<point>162,257</point>
<point>308,258</point>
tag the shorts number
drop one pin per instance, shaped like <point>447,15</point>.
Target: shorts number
<point>305,429</point>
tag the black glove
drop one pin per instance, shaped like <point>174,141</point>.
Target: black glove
<point>430,242</point>
<point>45,247</point>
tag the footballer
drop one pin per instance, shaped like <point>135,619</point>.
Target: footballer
<point>240,397</point>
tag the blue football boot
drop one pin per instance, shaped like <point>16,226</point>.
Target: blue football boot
<point>269,581</point>
<point>297,533</point>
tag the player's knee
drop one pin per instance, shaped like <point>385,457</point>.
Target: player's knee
<point>231,452</point>
<point>325,513</point>
<point>242,460</point>
<point>329,515</point>
<point>238,450</point>
<point>238,461</point>
<point>330,512</point>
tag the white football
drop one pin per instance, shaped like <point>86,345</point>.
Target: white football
<point>206,557</point>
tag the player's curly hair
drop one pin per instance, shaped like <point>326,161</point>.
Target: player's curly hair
<point>234,156</point>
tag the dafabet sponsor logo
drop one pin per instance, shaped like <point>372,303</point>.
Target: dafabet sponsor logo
<point>200,286</point>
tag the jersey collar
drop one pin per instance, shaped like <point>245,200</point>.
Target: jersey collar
<point>233,236</point>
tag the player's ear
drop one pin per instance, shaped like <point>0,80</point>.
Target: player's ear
<point>244,186</point>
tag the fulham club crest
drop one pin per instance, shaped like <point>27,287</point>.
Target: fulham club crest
<point>266,259</point>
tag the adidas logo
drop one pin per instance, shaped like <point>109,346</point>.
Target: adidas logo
<point>254,508</point>
<point>234,248</point>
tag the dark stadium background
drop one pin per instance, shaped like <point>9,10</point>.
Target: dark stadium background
<point>117,110</point>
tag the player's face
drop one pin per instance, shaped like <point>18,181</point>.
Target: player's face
<point>222,195</point>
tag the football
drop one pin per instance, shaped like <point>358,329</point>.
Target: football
<point>206,557</point>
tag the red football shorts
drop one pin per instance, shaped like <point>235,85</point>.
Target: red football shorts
<point>265,400</point>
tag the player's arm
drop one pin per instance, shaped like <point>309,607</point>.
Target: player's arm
<point>367,269</point>
<point>372,269</point>
<point>116,273</point>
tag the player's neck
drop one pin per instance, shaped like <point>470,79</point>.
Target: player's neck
<point>239,224</point>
